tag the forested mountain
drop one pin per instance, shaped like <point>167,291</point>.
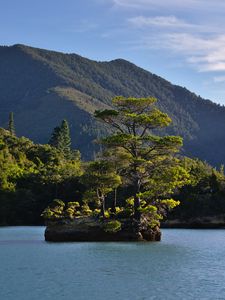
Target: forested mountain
<point>44,87</point>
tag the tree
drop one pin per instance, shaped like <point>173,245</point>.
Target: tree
<point>66,140</point>
<point>101,177</point>
<point>55,139</point>
<point>119,163</point>
<point>152,169</point>
<point>11,126</point>
<point>61,140</point>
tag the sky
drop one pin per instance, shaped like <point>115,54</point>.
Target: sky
<point>182,41</point>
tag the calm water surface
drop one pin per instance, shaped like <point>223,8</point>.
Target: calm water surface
<point>187,264</point>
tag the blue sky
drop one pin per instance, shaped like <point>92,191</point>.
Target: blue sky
<point>180,40</point>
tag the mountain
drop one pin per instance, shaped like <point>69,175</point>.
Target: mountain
<point>43,87</point>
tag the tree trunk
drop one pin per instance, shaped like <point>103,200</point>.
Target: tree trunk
<point>103,206</point>
<point>114,201</point>
<point>137,201</point>
<point>101,197</point>
<point>137,213</point>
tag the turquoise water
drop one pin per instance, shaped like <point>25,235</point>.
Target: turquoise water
<point>187,264</point>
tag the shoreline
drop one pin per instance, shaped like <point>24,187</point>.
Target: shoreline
<point>210,222</point>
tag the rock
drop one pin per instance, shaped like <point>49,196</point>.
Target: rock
<point>90,229</point>
<point>152,234</point>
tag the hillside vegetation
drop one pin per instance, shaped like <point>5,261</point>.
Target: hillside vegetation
<point>43,87</point>
<point>138,175</point>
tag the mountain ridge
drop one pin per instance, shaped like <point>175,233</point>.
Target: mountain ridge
<point>42,87</point>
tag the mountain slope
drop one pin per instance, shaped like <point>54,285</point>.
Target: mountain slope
<point>43,87</point>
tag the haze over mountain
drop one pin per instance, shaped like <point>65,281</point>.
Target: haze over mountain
<point>43,87</point>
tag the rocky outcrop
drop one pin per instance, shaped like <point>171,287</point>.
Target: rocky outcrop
<point>92,230</point>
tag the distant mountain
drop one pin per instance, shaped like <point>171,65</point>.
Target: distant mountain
<point>43,87</point>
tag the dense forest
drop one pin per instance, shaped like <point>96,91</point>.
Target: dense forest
<point>135,172</point>
<point>44,87</point>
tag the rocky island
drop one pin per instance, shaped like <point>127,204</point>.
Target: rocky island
<point>129,185</point>
<point>89,229</point>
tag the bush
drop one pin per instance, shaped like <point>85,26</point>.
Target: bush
<point>112,226</point>
<point>57,202</point>
<point>96,212</point>
<point>85,210</point>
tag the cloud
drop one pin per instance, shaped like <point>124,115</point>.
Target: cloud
<point>219,79</point>
<point>149,4</point>
<point>161,21</point>
<point>200,44</point>
<point>205,53</point>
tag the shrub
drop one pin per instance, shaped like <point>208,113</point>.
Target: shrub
<point>96,212</point>
<point>85,209</point>
<point>57,202</point>
<point>112,226</point>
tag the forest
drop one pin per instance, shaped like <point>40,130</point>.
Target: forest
<point>136,172</point>
<point>44,87</point>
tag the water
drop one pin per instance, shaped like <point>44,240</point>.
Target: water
<point>187,264</point>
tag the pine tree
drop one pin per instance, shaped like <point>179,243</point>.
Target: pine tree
<point>11,126</point>
<point>151,167</point>
<point>61,140</point>
<point>55,139</point>
<point>66,140</point>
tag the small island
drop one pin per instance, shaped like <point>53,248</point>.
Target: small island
<point>136,166</point>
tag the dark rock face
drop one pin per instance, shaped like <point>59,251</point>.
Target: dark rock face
<point>89,229</point>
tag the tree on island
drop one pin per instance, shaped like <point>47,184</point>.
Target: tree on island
<point>141,164</point>
<point>11,125</point>
<point>61,140</point>
<point>151,169</point>
<point>101,177</point>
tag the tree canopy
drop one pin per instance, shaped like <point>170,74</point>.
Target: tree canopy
<point>152,169</point>
<point>61,140</point>
<point>11,125</point>
<point>139,174</point>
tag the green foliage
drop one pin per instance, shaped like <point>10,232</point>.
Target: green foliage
<point>96,212</point>
<point>48,214</point>
<point>112,226</point>
<point>30,176</point>
<point>204,195</point>
<point>54,211</point>
<point>101,177</point>
<point>65,132</point>
<point>33,174</point>
<point>151,167</point>
<point>170,203</point>
<point>72,85</point>
<point>11,126</point>
<point>118,209</point>
<point>151,209</point>
<point>61,140</point>
<point>55,139</point>
<point>73,204</point>
<point>85,210</point>
<point>130,202</point>
<point>107,214</point>
<point>71,210</point>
